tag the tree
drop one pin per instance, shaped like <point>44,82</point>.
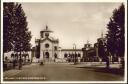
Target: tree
<point>23,36</point>
<point>116,32</point>
<point>119,18</point>
<point>16,34</point>
<point>38,50</point>
<point>111,37</point>
<point>8,27</point>
<point>102,51</point>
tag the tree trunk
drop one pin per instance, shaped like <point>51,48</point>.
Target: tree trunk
<point>122,63</point>
<point>20,54</point>
<point>107,63</point>
<point>3,56</point>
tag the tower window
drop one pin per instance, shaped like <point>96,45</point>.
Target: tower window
<point>46,34</point>
<point>55,47</point>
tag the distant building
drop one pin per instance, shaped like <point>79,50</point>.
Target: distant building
<point>104,41</point>
<point>48,46</point>
<point>89,53</point>
<point>48,49</point>
<point>70,54</point>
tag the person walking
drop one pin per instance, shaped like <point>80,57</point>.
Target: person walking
<point>14,63</point>
<point>6,63</point>
<point>106,53</point>
<point>20,63</point>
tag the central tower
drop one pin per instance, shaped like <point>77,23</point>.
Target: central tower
<point>45,33</point>
<point>48,45</point>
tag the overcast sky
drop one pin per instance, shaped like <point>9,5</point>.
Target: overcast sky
<point>70,22</point>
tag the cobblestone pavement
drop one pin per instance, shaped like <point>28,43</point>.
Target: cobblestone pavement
<point>58,72</point>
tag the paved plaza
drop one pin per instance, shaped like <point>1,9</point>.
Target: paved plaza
<point>59,72</point>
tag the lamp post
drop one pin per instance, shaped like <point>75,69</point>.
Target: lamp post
<point>74,47</point>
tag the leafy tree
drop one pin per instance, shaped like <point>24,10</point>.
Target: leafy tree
<point>8,26</point>
<point>16,32</point>
<point>102,51</point>
<point>38,50</point>
<point>116,32</point>
<point>111,37</point>
<point>100,48</point>
<point>119,18</point>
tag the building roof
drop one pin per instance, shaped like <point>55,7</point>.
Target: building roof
<point>46,29</point>
<point>50,39</point>
<point>71,50</point>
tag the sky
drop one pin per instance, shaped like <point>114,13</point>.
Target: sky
<point>70,22</point>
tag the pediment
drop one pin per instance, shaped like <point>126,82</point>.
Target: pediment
<point>46,39</point>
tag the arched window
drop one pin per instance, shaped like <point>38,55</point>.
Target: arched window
<point>73,55</point>
<point>46,34</point>
<point>65,55</point>
<point>79,55</point>
<point>69,55</point>
<point>12,55</point>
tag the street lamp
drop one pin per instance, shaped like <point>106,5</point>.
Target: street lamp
<point>74,47</point>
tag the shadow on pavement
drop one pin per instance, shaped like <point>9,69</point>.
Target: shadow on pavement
<point>117,71</point>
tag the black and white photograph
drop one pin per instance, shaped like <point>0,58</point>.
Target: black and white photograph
<point>63,41</point>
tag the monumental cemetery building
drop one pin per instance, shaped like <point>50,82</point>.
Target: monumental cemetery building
<point>48,49</point>
<point>90,54</point>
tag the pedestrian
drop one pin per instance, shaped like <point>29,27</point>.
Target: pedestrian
<point>41,62</point>
<point>6,63</point>
<point>14,60</point>
<point>106,53</point>
<point>107,62</point>
<point>20,63</point>
<point>14,63</point>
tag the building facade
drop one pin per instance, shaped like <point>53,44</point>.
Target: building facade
<point>90,53</point>
<point>50,51</point>
<point>70,55</point>
<point>48,45</point>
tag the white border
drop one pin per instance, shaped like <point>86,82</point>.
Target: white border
<point>64,0</point>
<point>116,1</point>
<point>1,42</point>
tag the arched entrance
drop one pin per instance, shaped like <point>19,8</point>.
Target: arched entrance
<point>55,55</point>
<point>65,55</point>
<point>47,54</point>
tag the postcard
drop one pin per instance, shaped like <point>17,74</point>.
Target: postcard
<point>63,41</point>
